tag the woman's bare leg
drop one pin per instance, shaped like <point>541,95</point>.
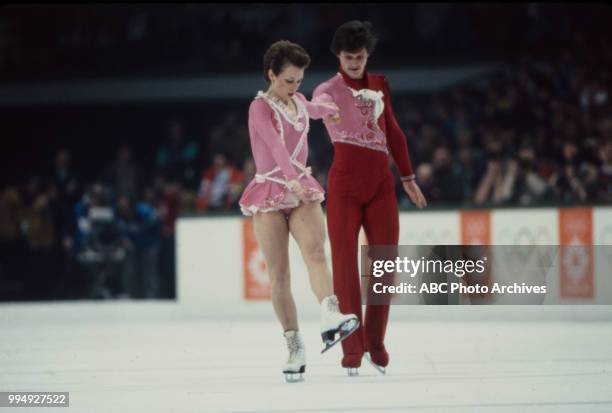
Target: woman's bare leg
<point>307,227</point>
<point>272,234</point>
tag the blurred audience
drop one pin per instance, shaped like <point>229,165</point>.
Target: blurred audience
<point>124,175</point>
<point>139,231</point>
<point>220,185</point>
<point>177,157</point>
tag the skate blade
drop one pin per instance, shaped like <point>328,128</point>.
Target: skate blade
<point>300,371</point>
<point>294,377</point>
<point>352,371</point>
<point>380,369</point>
<point>349,325</point>
<point>346,330</point>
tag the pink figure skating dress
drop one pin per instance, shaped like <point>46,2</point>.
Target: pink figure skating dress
<point>280,150</point>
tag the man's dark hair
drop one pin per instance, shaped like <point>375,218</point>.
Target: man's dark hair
<point>353,36</point>
<point>281,53</point>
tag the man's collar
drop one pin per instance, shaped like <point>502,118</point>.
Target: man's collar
<point>356,84</point>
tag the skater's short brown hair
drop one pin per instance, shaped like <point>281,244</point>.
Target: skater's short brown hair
<point>282,53</point>
<point>353,36</point>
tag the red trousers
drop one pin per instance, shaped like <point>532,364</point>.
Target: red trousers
<point>360,192</point>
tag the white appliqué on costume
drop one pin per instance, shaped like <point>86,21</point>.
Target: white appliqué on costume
<point>301,111</point>
<point>375,96</point>
<point>298,126</point>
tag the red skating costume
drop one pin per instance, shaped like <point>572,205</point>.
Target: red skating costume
<point>361,191</point>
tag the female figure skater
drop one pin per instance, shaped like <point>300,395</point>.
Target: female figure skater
<point>284,198</point>
<point>361,188</point>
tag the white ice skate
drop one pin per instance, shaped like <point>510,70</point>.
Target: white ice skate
<point>296,364</point>
<point>334,322</point>
<point>380,369</point>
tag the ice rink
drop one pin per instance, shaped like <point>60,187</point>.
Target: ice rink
<point>156,357</point>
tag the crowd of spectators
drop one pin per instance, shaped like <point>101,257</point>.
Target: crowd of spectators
<point>529,134</point>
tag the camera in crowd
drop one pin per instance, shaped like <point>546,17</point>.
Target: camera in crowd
<point>103,243</point>
<point>100,246</point>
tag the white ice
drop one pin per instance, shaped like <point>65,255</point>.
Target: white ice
<point>151,357</point>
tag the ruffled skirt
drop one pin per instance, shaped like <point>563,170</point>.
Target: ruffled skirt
<point>271,196</point>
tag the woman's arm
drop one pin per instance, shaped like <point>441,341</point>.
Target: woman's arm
<point>261,124</point>
<point>320,108</point>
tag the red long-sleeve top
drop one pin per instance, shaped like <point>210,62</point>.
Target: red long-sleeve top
<point>396,139</point>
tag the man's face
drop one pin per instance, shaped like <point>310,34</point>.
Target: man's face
<point>354,64</point>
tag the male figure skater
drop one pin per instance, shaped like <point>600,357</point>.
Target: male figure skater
<point>360,183</point>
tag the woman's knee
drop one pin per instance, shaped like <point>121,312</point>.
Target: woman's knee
<point>314,250</point>
<point>279,277</point>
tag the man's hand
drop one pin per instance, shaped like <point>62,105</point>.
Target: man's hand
<point>414,193</point>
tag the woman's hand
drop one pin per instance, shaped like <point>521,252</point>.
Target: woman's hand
<point>333,118</point>
<point>297,188</point>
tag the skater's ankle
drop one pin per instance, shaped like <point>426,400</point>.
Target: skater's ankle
<point>352,360</point>
<point>374,348</point>
<point>331,297</point>
<point>329,303</point>
<point>379,356</point>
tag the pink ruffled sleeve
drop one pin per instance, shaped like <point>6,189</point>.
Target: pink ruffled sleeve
<point>320,94</point>
<point>261,126</point>
<point>315,109</point>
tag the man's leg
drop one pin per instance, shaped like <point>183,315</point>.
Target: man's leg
<point>381,225</point>
<point>344,215</point>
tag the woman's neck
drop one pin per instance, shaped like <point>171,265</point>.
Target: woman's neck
<point>277,97</point>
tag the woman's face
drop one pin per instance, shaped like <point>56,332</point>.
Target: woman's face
<point>288,81</point>
<point>354,64</point>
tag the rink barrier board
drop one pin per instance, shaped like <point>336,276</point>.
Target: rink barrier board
<point>219,263</point>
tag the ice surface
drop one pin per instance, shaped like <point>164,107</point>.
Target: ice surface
<point>130,358</point>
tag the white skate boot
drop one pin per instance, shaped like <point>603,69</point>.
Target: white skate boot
<point>334,322</point>
<point>296,364</point>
